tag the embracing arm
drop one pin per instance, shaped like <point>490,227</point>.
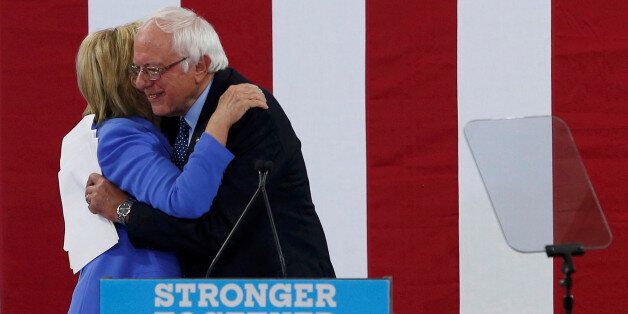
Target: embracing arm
<point>151,228</point>
<point>232,105</point>
<point>136,159</point>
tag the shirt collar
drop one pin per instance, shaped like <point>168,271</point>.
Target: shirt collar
<point>191,117</point>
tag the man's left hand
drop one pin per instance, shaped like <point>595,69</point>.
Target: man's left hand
<point>103,197</point>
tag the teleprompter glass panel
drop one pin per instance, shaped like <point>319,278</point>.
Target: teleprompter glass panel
<point>537,183</point>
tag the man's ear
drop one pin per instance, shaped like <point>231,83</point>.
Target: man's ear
<point>202,68</point>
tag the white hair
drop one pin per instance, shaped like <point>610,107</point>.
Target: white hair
<point>192,36</point>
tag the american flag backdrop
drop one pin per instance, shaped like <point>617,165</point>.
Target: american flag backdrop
<point>378,92</point>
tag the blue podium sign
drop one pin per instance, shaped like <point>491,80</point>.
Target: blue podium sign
<point>245,296</point>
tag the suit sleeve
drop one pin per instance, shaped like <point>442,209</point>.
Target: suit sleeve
<point>135,159</point>
<point>151,228</point>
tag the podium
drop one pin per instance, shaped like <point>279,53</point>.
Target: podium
<point>245,296</point>
<point>539,188</point>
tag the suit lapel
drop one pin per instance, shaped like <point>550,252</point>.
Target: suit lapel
<point>169,126</point>
<point>222,80</point>
<point>219,86</point>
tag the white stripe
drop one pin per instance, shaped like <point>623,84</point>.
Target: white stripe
<point>504,63</point>
<point>319,78</point>
<point>110,13</point>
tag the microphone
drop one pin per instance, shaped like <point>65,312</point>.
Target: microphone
<point>263,168</point>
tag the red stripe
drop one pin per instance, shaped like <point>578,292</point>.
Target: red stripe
<point>40,104</point>
<point>245,31</point>
<point>590,92</point>
<point>412,144</point>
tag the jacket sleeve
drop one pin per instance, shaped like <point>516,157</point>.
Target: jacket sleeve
<point>150,228</point>
<point>252,138</point>
<point>135,159</point>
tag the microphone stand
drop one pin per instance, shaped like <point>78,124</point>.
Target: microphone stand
<point>282,260</point>
<point>263,168</point>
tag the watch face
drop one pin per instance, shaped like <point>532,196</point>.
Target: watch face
<point>123,210</point>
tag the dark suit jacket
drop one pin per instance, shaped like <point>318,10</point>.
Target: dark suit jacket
<point>259,135</point>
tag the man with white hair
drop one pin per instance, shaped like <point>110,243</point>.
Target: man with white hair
<point>180,66</point>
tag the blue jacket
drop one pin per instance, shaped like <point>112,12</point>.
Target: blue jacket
<point>135,155</point>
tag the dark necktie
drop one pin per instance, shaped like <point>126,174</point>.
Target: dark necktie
<point>181,144</point>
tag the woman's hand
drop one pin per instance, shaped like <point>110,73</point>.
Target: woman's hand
<point>233,104</point>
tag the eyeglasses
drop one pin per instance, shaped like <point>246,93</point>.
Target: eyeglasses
<point>152,73</point>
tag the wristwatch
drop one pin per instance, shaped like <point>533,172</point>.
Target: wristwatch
<point>124,209</point>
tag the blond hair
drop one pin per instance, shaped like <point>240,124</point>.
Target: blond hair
<point>103,79</point>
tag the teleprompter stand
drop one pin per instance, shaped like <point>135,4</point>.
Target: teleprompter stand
<point>539,189</point>
<point>566,251</point>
